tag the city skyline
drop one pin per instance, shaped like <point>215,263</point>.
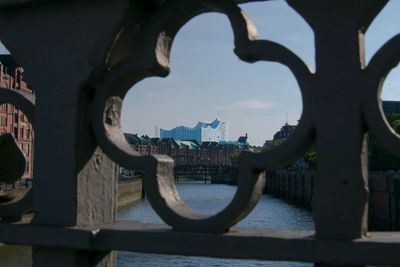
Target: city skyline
<point>214,131</point>
<point>208,81</point>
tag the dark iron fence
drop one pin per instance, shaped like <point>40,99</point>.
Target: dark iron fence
<point>83,56</point>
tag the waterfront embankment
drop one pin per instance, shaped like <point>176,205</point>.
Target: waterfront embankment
<point>384,194</point>
<point>129,191</point>
<point>207,198</point>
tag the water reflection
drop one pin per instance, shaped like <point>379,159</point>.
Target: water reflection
<point>126,259</point>
<point>270,213</point>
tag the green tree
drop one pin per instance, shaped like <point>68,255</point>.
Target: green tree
<point>379,158</point>
<point>277,142</point>
<point>311,158</point>
<point>234,157</point>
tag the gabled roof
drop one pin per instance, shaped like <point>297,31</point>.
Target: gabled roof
<point>192,145</point>
<point>243,139</point>
<point>134,139</point>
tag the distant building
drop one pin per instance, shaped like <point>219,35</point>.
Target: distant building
<point>142,144</point>
<point>215,131</point>
<point>391,107</point>
<point>284,132</point>
<point>13,120</point>
<point>241,142</point>
<point>187,152</point>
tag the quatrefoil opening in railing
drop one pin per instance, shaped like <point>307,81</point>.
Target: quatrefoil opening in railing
<point>153,60</point>
<point>384,60</point>
<point>12,160</point>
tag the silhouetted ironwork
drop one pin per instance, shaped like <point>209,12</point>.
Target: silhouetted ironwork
<point>83,56</point>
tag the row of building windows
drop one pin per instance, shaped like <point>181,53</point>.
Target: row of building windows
<point>3,121</point>
<point>4,108</point>
<point>22,133</point>
<point>26,149</point>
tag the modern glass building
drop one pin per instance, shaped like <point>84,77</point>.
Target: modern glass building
<point>203,132</point>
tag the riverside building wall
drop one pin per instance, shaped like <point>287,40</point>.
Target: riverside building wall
<point>384,189</point>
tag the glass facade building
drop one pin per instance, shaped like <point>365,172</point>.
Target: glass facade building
<point>215,131</point>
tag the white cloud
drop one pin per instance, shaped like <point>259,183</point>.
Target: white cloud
<point>248,104</point>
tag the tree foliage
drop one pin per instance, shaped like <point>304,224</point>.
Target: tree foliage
<point>379,158</point>
<point>234,157</point>
<point>311,158</point>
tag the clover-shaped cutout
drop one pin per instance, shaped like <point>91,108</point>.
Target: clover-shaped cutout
<point>153,60</point>
<point>12,159</point>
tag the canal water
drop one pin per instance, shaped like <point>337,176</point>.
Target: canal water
<point>271,213</point>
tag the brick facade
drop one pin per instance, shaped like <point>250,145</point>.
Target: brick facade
<point>187,152</point>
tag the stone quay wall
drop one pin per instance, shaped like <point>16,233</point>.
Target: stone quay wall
<point>384,198</point>
<point>129,191</point>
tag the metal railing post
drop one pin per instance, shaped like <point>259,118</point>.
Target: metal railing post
<point>60,45</point>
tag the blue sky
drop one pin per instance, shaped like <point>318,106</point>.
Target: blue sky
<point>208,81</point>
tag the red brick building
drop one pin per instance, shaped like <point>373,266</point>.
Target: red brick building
<point>13,120</point>
<point>188,152</point>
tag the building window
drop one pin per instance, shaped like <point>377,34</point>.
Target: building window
<point>3,121</point>
<point>21,132</point>
<point>28,133</point>
<point>27,167</point>
<point>16,132</point>
<point>28,149</point>
<point>3,107</point>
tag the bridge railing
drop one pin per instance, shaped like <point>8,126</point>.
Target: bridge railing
<point>83,56</point>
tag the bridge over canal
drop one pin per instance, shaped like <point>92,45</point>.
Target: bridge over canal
<point>212,173</point>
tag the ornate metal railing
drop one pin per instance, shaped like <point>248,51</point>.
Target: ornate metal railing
<point>83,56</point>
